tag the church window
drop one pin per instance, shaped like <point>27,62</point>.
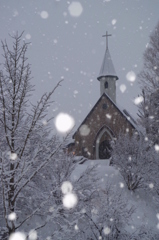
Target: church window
<point>104,106</point>
<point>106,84</point>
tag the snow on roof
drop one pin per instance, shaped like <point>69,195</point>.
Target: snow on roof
<point>107,68</point>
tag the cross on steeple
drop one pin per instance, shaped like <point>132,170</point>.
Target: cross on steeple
<point>107,35</point>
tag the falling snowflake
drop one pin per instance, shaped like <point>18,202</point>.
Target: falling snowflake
<point>13,156</point>
<point>48,238</point>
<point>64,122</point>
<point>121,185</point>
<point>157,78</point>
<point>12,216</point>
<point>129,158</point>
<point>157,147</point>
<point>44,14</point>
<point>28,36</point>
<point>66,69</point>
<point>84,130</point>
<point>114,21</point>
<point>76,227</point>
<point>138,100</point>
<point>122,88</point>
<point>44,122</point>
<point>51,209</point>
<point>157,215</point>
<point>66,187</point>
<point>94,211</point>
<point>83,210</point>
<point>108,116</point>
<point>15,13</point>
<point>17,236</point>
<point>106,230</point>
<point>151,185</point>
<point>70,200</point>
<point>131,76</point>
<point>75,9</point>
<point>75,92</point>
<point>147,44</point>
<point>55,41</point>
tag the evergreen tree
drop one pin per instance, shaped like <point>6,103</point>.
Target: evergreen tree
<point>149,80</point>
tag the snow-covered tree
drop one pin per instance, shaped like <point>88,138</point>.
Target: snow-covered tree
<point>149,80</point>
<point>33,163</point>
<point>25,145</point>
<point>149,76</point>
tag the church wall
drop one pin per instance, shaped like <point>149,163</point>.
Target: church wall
<point>104,113</point>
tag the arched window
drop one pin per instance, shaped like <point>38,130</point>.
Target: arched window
<point>106,84</point>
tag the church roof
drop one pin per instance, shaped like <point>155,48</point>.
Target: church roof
<point>129,119</point>
<point>107,68</point>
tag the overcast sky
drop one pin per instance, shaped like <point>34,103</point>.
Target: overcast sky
<point>66,42</point>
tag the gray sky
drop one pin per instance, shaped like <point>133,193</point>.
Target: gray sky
<point>72,47</point>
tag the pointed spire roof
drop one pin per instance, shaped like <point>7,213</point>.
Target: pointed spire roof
<point>107,68</point>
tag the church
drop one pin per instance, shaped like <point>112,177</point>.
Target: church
<point>106,120</point>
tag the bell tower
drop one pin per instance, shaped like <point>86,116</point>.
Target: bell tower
<point>107,75</point>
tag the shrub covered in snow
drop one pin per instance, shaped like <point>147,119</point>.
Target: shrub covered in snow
<point>136,161</point>
<point>106,214</point>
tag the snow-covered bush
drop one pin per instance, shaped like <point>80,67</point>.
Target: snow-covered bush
<point>106,215</point>
<point>134,159</point>
<point>142,233</point>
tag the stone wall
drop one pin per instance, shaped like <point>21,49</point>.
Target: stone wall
<point>104,113</point>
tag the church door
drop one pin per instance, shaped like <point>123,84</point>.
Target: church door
<point>103,144</point>
<point>104,149</point>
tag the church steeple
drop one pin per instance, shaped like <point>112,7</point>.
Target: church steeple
<point>107,75</point>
